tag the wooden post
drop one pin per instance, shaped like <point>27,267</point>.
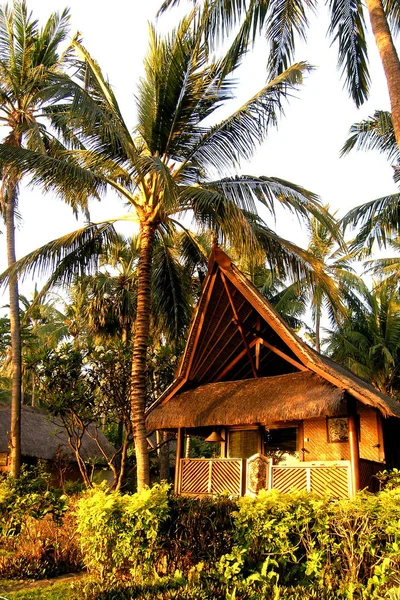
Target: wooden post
<point>381,444</point>
<point>353,444</point>
<point>179,454</point>
<point>300,441</point>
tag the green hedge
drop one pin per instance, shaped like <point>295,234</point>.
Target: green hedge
<point>297,541</point>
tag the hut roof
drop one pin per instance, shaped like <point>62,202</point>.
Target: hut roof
<point>236,335</point>
<point>296,396</point>
<point>43,436</point>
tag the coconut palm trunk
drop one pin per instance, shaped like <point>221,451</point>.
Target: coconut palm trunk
<point>15,327</point>
<point>389,58</point>
<point>140,344</point>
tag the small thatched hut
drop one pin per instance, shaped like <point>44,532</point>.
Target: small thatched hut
<point>282,414</point>
<point>44,437</point>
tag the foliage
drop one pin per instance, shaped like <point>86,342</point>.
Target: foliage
<point>207,520</point>
<point>38,533</point>
<point>283,546</point>
<point>119,531</point>
<point>296,541</point>
<point>368,342</point>
<point>29,496</point>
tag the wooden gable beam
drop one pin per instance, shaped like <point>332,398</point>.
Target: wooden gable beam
<point>234,362</point>
<point>283,355</point>
<point>200,326</point>
<point>213,346</point>
<point>202,359</point>
<point>239,326</point>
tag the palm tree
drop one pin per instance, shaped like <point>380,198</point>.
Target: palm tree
<point>332,277</point>
<point>368,342</point>
<point>283,21</point>
<point>163,170</point>
<point>29,64</point>
<point>46,326</point>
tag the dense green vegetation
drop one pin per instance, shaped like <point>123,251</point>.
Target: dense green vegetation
<point>108,345</point>
<point>135,545</point>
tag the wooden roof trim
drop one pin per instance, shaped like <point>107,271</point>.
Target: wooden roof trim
<point>348,386</point>
<point>200,319</point>
<point>182,374</point>
<point>168,394</point>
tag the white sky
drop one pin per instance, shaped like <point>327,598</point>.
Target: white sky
<point>304,149</point>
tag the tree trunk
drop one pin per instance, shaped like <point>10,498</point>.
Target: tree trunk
<point>389,58</point>
<point>140,344</point>
<point>15,330</point>
<point>318,328</point>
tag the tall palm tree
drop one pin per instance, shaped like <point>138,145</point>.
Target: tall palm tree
<point>29,64</point>
<point>331,279</point>
<point>164,169</point>
<point>284,21</point>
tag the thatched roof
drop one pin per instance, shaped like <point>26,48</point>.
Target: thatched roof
<point>234,328</point>
<point>266,400</point>
<point>43,436</point>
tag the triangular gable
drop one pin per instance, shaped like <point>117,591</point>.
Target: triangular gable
<point>235,334</point>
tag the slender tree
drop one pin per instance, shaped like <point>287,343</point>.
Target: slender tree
<point>29,64</point>
<point>164,169</point>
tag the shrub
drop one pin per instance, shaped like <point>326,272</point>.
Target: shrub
<point>208,521</point>
<point>118,532</point>
<point>28,496</point>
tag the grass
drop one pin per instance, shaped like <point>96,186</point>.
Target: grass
<point>53,591</point>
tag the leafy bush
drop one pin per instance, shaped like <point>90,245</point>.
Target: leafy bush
<point>31,495</point>
<point>208,521</point>
<point>119,531</point>
<point>300,539</point>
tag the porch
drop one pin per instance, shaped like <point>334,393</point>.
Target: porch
<point>238,477</point>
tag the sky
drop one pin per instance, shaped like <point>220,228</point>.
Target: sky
<point>303,149</point>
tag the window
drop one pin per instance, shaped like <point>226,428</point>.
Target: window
<point>280,441</point>
<point>243,443</point>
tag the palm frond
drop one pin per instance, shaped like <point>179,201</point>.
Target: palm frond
<point>347,27</point>
<point>375,133</point>
<point>236,137</point>
<point>378,221</point>
<point>170,291</point>
<point>65,258</point>
<point>286,19</point>
<point>63,176</point>
<point>392,10</point>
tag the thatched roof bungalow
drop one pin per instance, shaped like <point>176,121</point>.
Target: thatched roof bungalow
<point>249,379</point>
<point>44,437</point>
